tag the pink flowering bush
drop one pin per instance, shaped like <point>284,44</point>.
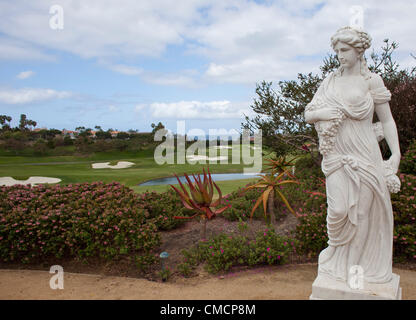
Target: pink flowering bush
<point>311,233</point>
<point>241,203</point>
<point>408,161</point>
<point>77,220</point>
<point>163,207</point>
<point>404,212</point>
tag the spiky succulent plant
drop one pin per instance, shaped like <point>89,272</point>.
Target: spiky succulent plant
<point>200,197</point>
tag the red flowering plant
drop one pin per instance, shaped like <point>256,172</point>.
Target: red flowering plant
<point>201,198</point>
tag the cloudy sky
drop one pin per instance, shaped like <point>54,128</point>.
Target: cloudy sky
<point>124,64</point>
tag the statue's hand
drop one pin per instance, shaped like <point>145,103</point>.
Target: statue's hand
<point>395,162</point>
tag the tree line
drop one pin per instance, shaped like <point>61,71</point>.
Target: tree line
<point>25,140</point>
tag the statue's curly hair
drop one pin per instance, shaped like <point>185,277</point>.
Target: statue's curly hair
<point>358,39</point>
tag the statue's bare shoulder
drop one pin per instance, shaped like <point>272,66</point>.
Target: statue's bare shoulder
<point>376,81</point>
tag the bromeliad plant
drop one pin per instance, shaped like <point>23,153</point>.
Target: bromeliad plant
<point>200,198</point>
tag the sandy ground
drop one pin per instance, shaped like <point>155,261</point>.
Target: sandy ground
<point>9,181</point>
<point>267,283</point>
<point>106,165</point>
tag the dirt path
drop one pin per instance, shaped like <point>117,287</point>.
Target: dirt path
<point>268,283</point>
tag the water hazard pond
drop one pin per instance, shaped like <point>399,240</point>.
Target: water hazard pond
<point>215,176</point>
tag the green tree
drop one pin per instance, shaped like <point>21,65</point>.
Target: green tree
<point>83,132</point>
<point>15,141</point>
<point>3,119</point>
<point>40,147</point>
<point>103,135</point>
<point>25,124</point>
<point>123,135</point>
<point>68,141</point>
<point>156,127</point>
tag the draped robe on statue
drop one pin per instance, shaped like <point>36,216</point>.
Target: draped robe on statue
<point>354,160</point>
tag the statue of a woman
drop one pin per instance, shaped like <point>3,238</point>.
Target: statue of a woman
<point>358,181</point>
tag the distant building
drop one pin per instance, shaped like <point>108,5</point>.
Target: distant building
<point>70,133</point>
<point>39,129</point>
<point>114,133</point>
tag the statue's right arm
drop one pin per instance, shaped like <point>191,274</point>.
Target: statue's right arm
<point>310,116</point>
<point>319,111</point>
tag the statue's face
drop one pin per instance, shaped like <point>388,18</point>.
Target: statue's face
<point>347,55</point>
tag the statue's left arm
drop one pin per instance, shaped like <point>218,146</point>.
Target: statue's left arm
<point>389,126</point>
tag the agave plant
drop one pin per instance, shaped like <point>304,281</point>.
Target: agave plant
<point>271,185</point>
<point>280,164</point>
<point>200,198</point>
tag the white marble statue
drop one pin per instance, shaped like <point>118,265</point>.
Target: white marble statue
<point>358,181</point>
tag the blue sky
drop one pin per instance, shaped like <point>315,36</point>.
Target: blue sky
<point>125,64</point>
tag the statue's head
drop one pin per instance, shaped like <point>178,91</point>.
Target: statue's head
<point>357,40</point>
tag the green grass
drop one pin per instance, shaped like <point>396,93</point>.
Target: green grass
<point>225,186</point>
<point>78,169</point>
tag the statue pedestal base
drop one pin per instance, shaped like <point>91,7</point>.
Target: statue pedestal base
<point>325,288</point>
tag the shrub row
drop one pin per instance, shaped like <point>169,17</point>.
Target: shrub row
<point>408,161</point>
<point>78,220</point>
<point>404,212</point>
<point>163,207</point>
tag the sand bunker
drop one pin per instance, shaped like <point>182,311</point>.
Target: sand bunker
<point>9,181</point>
<point>199,158</point>
<point>106,165</point>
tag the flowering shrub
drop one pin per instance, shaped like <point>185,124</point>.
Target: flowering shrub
<point>224,251</point>
<point>311,233</point>
<point>78,220</point>
<point>404,211</point>
<point>163,207</point>
<point>408,161</point>
<point>307,171</point>
<point>241,202</point>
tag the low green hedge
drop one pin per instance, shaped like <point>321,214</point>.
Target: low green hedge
<point>225,251</point>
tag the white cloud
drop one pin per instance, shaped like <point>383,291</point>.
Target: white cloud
<point>280,39</point>
<point>113,108</point>
<point>139,108</point>
<point>25,74</point>
<point>183,78</point>
<point>199,110</point>
<point>171,79</point>
<point>11,49</point>
<point>243,41</point>
<point>97,28</point>
<point>28,95</point>
<point>125,69</point>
